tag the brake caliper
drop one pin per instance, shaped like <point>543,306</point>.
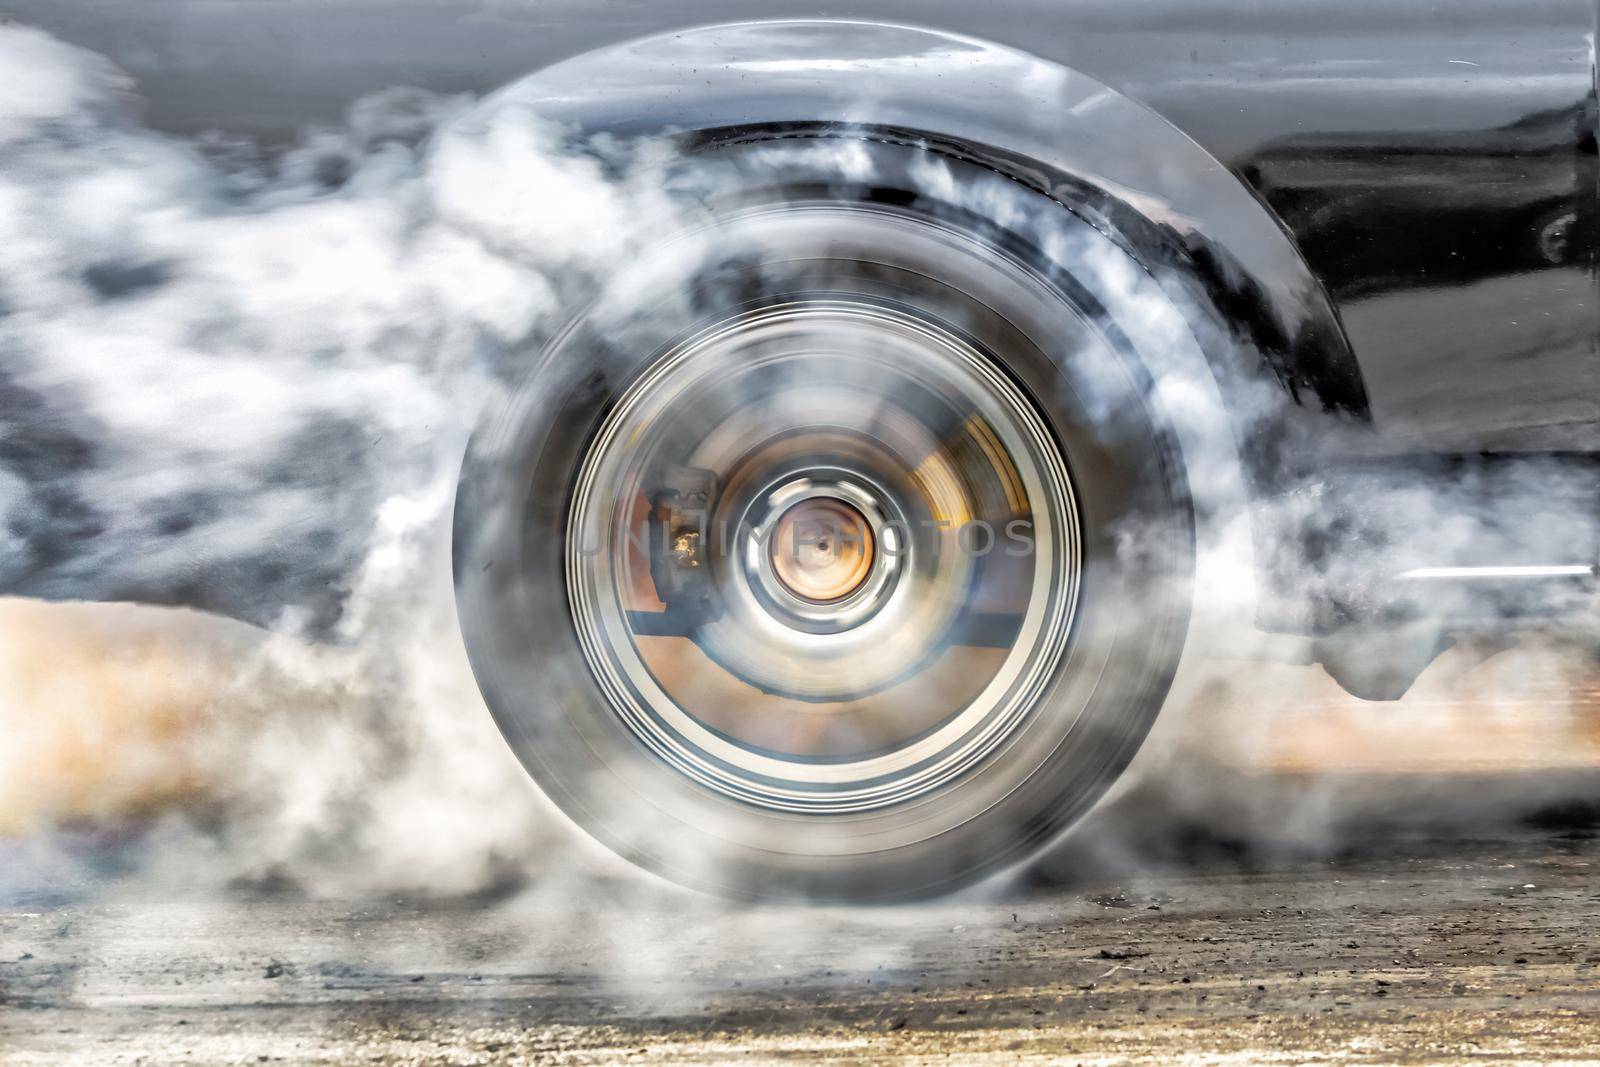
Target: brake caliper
<point>680,562</point>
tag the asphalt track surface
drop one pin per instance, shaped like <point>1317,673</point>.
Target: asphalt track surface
<point>1406,950</point>
<point>1409,882</point>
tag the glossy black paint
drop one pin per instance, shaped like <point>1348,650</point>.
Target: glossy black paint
<point>1135,177</point>
<point>1393,202</point>
<point>1435,162</point>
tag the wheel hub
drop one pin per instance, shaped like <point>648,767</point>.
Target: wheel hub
<point>849,452</point>
<point>822,550</point>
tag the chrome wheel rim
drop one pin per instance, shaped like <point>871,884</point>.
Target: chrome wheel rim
<point>834,669</point>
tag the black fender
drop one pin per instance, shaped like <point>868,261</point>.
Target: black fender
<point>1132,174</point>
<point>1195,227</point>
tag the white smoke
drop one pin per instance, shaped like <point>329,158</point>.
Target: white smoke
<point>249,379</point>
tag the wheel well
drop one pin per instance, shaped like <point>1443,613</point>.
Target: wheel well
<point>1311,360</point>
<point>1190,222</point>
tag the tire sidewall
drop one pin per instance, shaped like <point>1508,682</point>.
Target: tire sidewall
<point>1132,605</point>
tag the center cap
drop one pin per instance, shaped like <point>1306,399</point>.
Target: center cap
<point>822,549</point>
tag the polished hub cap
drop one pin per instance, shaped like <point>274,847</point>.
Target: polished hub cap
<point>823,557</point>
<point>822,549</point>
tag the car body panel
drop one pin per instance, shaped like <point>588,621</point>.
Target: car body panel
<point>1435,166</point>
<point>1134,176</point>
<point>1393,204</point>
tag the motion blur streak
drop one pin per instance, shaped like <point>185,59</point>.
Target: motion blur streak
<point>215,365</point>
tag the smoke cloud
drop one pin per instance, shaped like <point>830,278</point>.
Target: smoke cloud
<point>243,380</point>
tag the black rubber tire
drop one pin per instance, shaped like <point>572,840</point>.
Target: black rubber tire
<point>1137,533</point>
